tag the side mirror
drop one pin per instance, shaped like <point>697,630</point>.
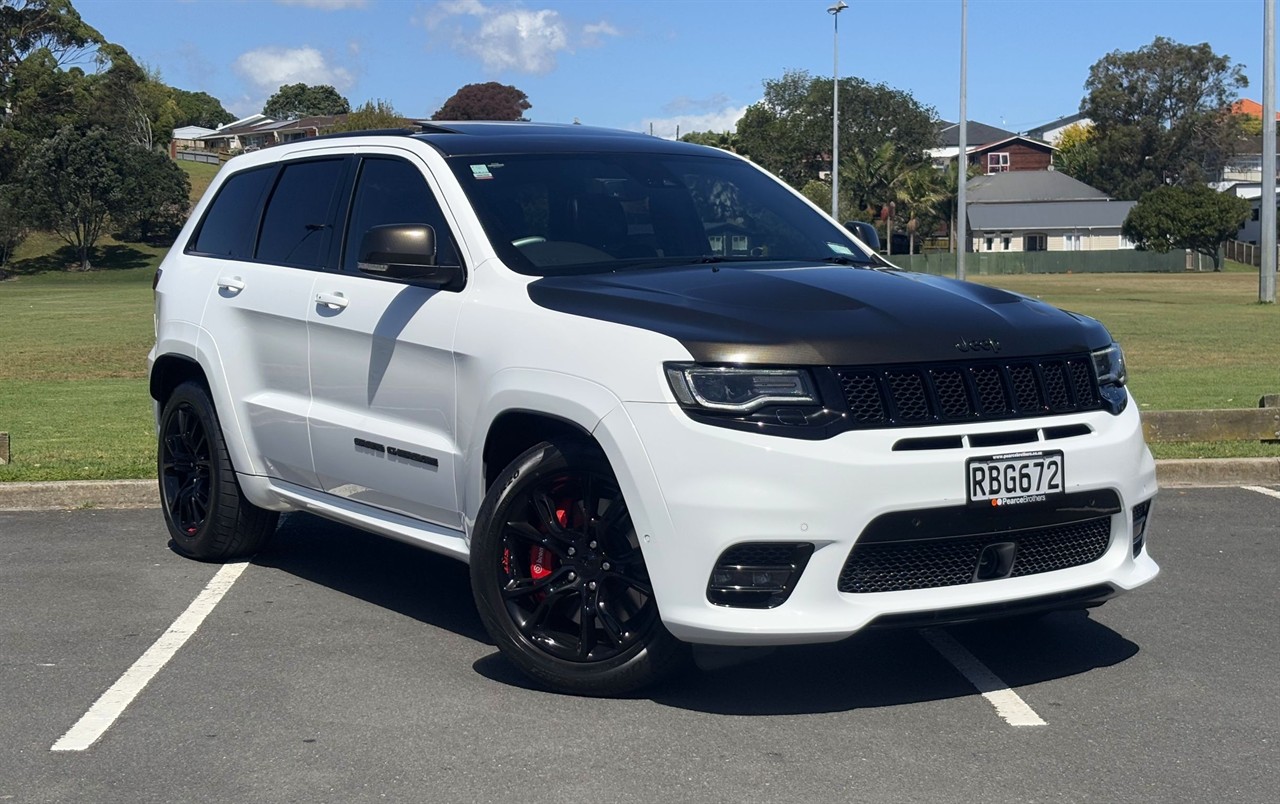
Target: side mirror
<point>865,232</point>
<point>406,253</point>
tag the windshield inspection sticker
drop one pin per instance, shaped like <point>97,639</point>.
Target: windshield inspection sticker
<point>481,172</point>
<point>839,249</point>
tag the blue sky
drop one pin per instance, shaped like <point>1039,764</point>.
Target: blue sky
<point>692,63</point>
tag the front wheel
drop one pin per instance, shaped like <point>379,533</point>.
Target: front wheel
<point>559,578</point>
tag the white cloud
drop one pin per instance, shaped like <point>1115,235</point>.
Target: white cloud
<point>510,37</point>
<point>268,68</point>
<point>724,119</point>
<point>593,34</point>
<point>325,5</point>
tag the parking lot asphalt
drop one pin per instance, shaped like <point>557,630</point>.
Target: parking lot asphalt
<point>344,667</point>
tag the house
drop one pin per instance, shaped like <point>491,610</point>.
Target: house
<point>1249,108</point>
<point>1042,211</point>
<point>975,134</point>
<point>1251,229</point>
<point>190,137</point>
<point>1051,132</point>
<point>1016,153</point>
<point>237,135</point>
<point>992,149</point>
<point>1245,165</point>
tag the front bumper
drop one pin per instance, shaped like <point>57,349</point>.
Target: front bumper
<point>710,488</point>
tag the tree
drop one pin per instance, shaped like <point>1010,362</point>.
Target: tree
<point>199,109</point>
<point>132,101</point>
<point>13,225</point>
<point>488,101</point>
<point>73,182</point>
<point>789,131</point>
<point>724,140</point>
<point>32,26</point>
<point>292,101</point>
<point>1077,154</point>
<point>1194,217</point>
<point>1161,116</point>
<point>371,116</point>
<point>156,196</point>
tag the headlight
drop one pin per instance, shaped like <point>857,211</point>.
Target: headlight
<point>739,390</point>
<point>1108,364</point>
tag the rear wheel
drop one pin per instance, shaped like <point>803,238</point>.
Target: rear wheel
<point>207,515</point>
<point>560,580</point>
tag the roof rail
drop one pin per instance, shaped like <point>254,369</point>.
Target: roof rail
<point>377,132</point>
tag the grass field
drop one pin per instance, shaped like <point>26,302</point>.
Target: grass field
<point>73,348</point>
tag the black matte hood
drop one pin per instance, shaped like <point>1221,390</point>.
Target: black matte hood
<point>803,314</point>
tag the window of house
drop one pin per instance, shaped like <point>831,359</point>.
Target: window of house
<point>1035,242</point>
<point>295,227</point>
<point>1256,212</point>
<point>1006,242</point>
<point>717,244</point>
<point>739,244</point>
<point>1072,241</point>
<point>988,243</point>
<point>997,163</point>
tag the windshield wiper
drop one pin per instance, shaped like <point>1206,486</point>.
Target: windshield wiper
<point>841,259</point>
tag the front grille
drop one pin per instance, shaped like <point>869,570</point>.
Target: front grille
<point>952,393</point>
<point>951,561</point>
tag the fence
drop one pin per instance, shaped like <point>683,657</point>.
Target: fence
<point>209,157</point>
<point>1048,262</point>
<point>1247,253</point>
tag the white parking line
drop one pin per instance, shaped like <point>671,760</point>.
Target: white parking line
<point>113,702</point>
<point>1009,706</point>
<point>1266,491</point>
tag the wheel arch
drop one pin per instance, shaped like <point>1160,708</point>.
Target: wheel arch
<point>169,371</point>
<point>514,431</point>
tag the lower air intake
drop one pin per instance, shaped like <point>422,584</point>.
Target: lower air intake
<point>955,560</point>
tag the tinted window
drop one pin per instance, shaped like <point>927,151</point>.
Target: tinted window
<point>295,228</point>
<point>232,219</point>
<point>584,212</point>
<point>391,191</point>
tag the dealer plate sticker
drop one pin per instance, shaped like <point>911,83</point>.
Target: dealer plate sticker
<point>1017,478</point>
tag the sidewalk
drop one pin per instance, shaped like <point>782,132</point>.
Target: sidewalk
<point>143,494</point>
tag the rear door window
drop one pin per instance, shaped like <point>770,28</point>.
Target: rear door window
<point>296,229</point>
<point>232,220</point>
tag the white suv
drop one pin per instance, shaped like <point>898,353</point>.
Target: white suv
<point>652,395</point>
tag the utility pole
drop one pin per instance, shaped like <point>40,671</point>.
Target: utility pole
<point>834,11</point>
<point>1267,269</point>
<point>962,158</point>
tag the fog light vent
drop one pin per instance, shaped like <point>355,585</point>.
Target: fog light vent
<point>1140,525</point>
<point>757,575</point>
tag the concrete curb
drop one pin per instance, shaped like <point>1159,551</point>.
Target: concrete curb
<point>1219,472</point>
<point>71,494</point>
<point>62,495</point>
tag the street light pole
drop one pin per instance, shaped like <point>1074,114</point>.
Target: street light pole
<point>834,11</point>
<point>1267,269</point>
<point>962,158</point>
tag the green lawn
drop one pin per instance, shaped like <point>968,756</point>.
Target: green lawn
<point>73,351</point>
<point>200,175</point>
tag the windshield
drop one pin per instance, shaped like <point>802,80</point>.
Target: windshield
<point>553,214</point>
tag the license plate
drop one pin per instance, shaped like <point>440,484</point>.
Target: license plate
<point>1015,478</point>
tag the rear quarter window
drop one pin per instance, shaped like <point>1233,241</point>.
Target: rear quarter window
<point>230,224</point>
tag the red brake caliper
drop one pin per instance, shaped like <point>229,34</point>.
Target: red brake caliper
<point>542,562</point>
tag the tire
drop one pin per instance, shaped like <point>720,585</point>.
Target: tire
<point>564,594</point>
<point>208,517</point>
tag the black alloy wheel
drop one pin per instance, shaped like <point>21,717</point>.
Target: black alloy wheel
<point>560,579</point>
<point>186,463</point>
<point>207,515</point>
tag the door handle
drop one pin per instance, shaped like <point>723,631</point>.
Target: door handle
<point>334,301</point>
<point>232,283</point>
